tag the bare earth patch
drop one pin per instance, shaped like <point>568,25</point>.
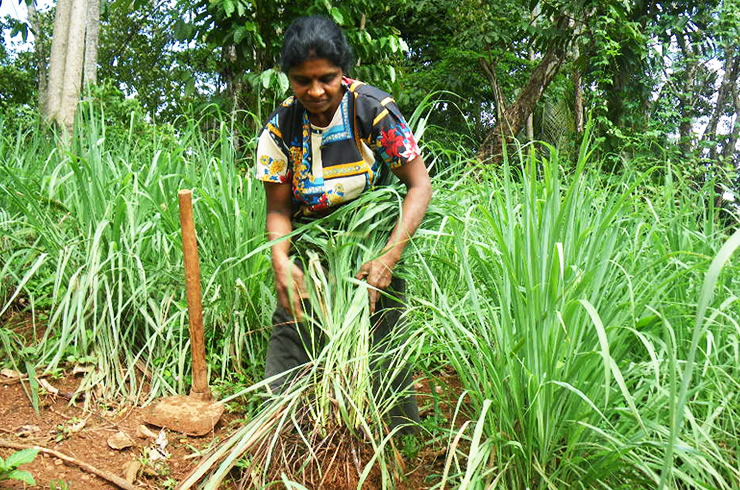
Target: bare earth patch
<point>84,436</point>
<point>159,460</point>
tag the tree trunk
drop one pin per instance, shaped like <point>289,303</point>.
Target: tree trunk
<point>57,59</point>
<point>685,127</point>
<point>578,110</point>
<point>38,55</point>
<point>730,149</point>
<point>724,96</point>
<point>489,67</point>
<point>73,64</point>
<point>514,117</point>
<point>92,32</point>
<point>65,73</point>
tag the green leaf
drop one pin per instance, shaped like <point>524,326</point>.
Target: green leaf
<point>34,385</point>
<point>23,476</point>
<point>283,82</point>
<point>228,7</point>
<point>265,77</point>
<point>239,34</point>
<point>337,16</point>
<point>183,30</point>
<point>21,457</point>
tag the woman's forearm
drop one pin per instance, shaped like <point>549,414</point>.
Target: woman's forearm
<point>412,213</point>
<point>418,194</point>
<point>277,226</point>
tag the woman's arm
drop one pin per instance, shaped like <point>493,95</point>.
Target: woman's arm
<point>289,283</point>
<point>378,272</point>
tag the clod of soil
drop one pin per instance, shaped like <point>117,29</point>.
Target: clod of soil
<point>185,414</point>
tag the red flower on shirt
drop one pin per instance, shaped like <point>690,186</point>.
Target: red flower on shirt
<point>392,142</point>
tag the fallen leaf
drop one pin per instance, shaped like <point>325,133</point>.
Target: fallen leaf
<point>82,369</point>
<point>9,373</point>
<point>155,454</point>
<point>78,426</point>
<point>48,387</point>
<point>145,432</point>
<point>27,430</point>
<point>157,450</point>
<point>131,470</point>
<point>162,441</point>
<point>119,441</point>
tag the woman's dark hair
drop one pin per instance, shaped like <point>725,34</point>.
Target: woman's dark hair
<point>315,37</point>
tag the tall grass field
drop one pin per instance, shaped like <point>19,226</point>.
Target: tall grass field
<point>592,320</point>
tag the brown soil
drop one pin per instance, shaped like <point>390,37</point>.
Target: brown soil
<point>67,427</point>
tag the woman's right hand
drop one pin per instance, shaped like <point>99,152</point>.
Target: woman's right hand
<point>290,286</point>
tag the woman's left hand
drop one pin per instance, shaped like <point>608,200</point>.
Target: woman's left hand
<point>378,274</point>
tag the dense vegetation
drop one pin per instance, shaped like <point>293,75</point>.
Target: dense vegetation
<point>583,289</point>
<point>590,318</point>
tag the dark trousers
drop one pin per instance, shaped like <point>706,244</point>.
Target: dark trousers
<point>293,344</point>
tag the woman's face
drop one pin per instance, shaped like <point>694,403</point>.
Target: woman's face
<point>317,84</point>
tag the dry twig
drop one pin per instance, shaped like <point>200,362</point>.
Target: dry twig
<point>106,475</point>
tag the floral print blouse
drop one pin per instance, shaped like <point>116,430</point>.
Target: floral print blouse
<point>333,165</point>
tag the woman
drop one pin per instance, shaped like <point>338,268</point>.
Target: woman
<point>334,139</point>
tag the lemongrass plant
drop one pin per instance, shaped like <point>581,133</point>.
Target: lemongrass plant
<point>93,238</point>
<point>342,394</point>
<point>565,336</point>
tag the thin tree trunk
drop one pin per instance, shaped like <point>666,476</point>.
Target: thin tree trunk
<point>92,33</point>
<point>578,111</point>
<point>724,96</point>
<point>490,70</point>
<point>685,127</point>
<point>73,64</point>
<point>578,102</point>
<point>731,146</point>
<point>515,116</point>
<point>38,55</point>
<point>363,20</point>
<point>57,59</point>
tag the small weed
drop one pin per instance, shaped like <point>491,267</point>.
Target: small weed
<point>65,430</point>
<point>410,446</point>
<point>169,483</point>
<point>9,467</point>
<point>244,404</point>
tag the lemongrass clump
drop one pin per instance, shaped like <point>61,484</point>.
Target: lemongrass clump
<point>339,401</point>
<point>570,337</point>
<point>91,237</point>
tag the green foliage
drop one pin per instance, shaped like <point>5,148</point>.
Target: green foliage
<point>139,54</point>
<point>19,90</point>
<point>93,231</point>
<point>565,306</point>
<point>121,117</point>
<point>9,467</point>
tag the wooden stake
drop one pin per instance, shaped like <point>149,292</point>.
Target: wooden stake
<point>200,388</point>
